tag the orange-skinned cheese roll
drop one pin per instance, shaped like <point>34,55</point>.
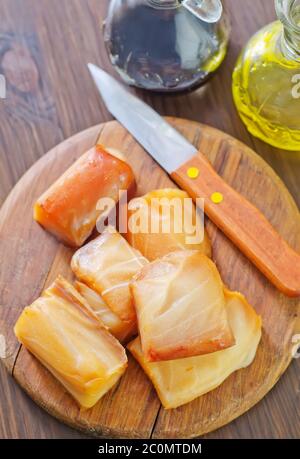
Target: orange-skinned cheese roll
<point>120,329</point>
<point>172,224</point>
<point>107,264</point>
<point>61,331</point>
<point>68,209</point>
<point>180,307</point>
<point>180,381</point>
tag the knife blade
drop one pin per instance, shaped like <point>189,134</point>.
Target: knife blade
<point>240,220</point>
<point>169,148</point>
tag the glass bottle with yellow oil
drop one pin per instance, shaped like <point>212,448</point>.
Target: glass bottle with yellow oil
<point>266,80</point>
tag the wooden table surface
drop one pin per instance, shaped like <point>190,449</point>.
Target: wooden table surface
<point>44,46</point>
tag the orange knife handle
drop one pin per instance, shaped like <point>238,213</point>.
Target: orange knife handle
<point>242,223</point>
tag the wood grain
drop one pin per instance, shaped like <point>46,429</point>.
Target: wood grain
<point>62,36</point>
<point>132,409</point>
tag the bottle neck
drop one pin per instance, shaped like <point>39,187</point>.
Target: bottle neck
<point>209,11</point>
<point>164,4</point>
<point>288,12</point>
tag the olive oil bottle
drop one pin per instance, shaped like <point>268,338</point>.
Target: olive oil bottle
<point>266,80</point>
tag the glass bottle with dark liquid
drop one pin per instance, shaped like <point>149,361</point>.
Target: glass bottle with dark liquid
<point>166,45</point>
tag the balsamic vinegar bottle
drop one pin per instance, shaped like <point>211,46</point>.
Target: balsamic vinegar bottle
<point>166,45</point>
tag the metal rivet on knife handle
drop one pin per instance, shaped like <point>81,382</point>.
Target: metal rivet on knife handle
<point>217,197</point>
<point>193,172</point>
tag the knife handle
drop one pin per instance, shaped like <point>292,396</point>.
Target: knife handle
<point>242,223</point>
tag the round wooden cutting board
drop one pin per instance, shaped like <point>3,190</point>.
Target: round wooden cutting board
<point>31,258</point>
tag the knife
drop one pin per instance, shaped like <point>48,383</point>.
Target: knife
<point>239,220</point>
